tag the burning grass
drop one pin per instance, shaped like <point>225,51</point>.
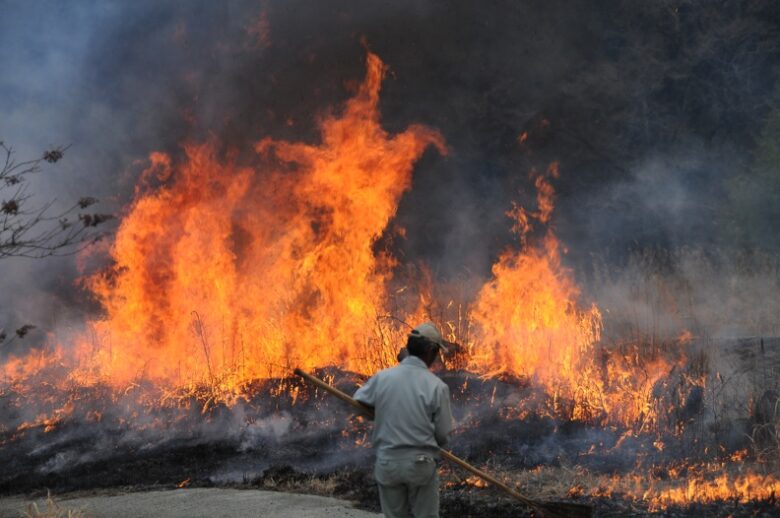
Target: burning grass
<point>144,437</point>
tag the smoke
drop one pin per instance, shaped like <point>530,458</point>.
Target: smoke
<point>660,294</point>
<point>649,109</point>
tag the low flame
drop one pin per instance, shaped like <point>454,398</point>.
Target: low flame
<point>702,484</point>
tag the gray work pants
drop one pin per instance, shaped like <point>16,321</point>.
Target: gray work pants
<point>408,486</point>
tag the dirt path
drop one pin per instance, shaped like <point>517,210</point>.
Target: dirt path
<point>195,503</point>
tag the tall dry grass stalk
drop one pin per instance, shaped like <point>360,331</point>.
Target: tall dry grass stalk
<point>52,510</point>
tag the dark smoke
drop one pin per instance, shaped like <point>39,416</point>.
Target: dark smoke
<point>659,114</point>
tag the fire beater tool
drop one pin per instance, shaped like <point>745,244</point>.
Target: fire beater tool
<point>544,509</point>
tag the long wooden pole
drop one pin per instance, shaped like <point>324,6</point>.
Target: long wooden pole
<point>368,411</point>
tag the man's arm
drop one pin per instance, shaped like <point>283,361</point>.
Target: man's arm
<point>367,393</point>
<point>442,419</point>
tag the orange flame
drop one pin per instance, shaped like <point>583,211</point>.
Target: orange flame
<point>705,483</point>
<point>528,311</point>
<point>236,272</point>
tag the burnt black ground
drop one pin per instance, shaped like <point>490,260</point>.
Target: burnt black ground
<point>170,466</point>
<point>310,443</point>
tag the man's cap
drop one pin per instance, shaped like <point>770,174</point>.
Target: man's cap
<point>430,332</point>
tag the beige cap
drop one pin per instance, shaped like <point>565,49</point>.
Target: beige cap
<point>429,331</point>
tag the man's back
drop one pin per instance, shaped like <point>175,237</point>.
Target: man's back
<point>412,418</point>
<point>412,409</point>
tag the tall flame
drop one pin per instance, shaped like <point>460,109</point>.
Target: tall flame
<point>228,268</point>
<point>528,311</point>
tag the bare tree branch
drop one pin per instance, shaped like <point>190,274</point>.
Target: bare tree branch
<point>37,231</point>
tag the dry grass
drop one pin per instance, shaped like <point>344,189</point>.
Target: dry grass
<point>543,483</point>
<point>52,510</point>
<point>314,485</point>
<point>765,438</point>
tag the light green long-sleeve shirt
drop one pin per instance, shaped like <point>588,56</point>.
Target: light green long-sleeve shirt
<point>411,407</point>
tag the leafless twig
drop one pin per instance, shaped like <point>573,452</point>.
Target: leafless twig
<point>37,231</point>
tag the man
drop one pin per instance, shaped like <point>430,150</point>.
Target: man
<point>412,420</point>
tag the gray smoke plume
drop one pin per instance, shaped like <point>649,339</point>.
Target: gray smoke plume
<point>654,111</point>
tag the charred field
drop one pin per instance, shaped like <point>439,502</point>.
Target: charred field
<point>280,434</point>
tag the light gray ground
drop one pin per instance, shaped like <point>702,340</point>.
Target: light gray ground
<point>194,503</point>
